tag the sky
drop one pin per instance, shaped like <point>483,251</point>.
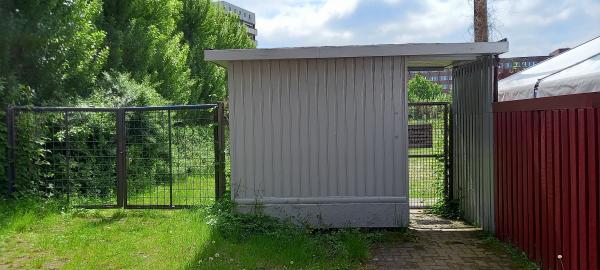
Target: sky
<point>533,27</point>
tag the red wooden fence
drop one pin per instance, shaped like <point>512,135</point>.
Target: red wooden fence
<point>547,178</point>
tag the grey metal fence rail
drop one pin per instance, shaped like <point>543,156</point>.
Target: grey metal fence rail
<point>130,157</point>
<point>429,153</point>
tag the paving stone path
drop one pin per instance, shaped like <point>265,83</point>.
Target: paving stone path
<point>436,243</point>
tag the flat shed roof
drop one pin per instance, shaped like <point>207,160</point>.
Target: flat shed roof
<point>420,54</point>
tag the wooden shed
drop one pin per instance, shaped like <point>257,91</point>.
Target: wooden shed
<point>319,134</point>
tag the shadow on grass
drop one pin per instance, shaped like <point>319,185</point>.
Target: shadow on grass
<point>340,250</point>
<point>255,241</point>
<point>100,218</point>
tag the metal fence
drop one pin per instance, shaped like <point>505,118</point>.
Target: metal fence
<point>429,159</point>
<point>134,157</point>
<point>547,156</point>
<point>473,93</point>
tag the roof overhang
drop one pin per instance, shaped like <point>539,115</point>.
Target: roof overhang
<point>419,54</point>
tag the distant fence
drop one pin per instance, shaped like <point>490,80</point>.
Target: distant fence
<point>547,178</point>
<point>428,153</point>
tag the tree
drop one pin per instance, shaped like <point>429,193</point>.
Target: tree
<point>105,53</point>
<point>144,41</point>
<point>422,90</point>
<point>52,47</point>
<point>207,26</point>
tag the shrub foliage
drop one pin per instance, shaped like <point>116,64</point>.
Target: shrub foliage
<point>103,53</point>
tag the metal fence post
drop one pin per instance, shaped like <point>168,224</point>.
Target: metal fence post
<point>450,152</point>
<point>446,148</point>
<point>10,149</point>
<point>219,137</point>
<point>67,156</point>
<point>170,160</point>
<point>121,159</point>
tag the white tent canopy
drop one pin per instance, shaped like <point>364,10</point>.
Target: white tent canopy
<point>573,72</point>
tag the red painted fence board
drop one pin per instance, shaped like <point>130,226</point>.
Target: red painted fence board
<point>547,154</point>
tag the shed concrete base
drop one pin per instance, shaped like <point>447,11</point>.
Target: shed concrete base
<point>337,215</point>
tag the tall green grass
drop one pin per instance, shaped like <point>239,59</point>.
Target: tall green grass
<point>48,234</point>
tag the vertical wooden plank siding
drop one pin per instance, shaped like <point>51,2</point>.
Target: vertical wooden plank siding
<point>547,158</point>
<point>319,128</point>
<point>473,142</point>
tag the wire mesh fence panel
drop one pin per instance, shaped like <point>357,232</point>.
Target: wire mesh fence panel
<point>134,157</point>
<point>170,157</point>
<point>66,154</point>
<point>428,138</point>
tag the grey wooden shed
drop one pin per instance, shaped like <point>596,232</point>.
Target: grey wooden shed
<point>319,134</point>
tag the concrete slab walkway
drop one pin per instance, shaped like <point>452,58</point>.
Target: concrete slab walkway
<point>436,243</point>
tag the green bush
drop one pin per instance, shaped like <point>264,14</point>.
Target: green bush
<point>42,161</point>
<point>106,53</point>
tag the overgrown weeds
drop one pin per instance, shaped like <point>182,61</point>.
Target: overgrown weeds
<point>22,215</point>
<point>257,241</point>
<point>519,259</point>
<point>212,237</point>
<point>445,208</point>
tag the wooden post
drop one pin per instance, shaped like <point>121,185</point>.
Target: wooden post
<point>480,21</point>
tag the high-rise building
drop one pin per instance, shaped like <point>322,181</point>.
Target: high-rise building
<point>246,17</point>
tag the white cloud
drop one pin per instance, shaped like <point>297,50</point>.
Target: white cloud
<point>532,26</point>
<point>306,23</point>
<point>532,13</point>
<point>392,1</point>
<point>438,19</point>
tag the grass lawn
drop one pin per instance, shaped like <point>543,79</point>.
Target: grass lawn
<point>45,235</point>
<point>191,190</point>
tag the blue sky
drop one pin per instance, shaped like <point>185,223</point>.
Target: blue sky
<point>533,27</point>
